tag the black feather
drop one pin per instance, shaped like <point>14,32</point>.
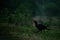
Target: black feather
<point>40,27</point>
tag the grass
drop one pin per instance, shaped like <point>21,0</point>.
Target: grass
<point>29,34</point>
<point>12,32</point>
<point>9,32</point>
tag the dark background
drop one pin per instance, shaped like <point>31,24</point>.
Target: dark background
<point>16,19</point>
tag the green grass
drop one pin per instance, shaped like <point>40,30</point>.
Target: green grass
<point>28,33</point>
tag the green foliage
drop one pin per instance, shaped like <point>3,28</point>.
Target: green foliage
<point>52,9</point>
<point>20,11</point>
<point>23,14</point>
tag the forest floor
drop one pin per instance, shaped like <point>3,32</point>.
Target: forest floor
<point>9,32</point>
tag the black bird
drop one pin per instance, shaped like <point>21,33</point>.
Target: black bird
<point>40,26</point>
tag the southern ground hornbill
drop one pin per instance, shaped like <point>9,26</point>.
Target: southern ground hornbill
<point>40,26</point>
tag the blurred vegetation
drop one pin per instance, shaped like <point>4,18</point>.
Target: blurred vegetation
<point>16,18</point>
